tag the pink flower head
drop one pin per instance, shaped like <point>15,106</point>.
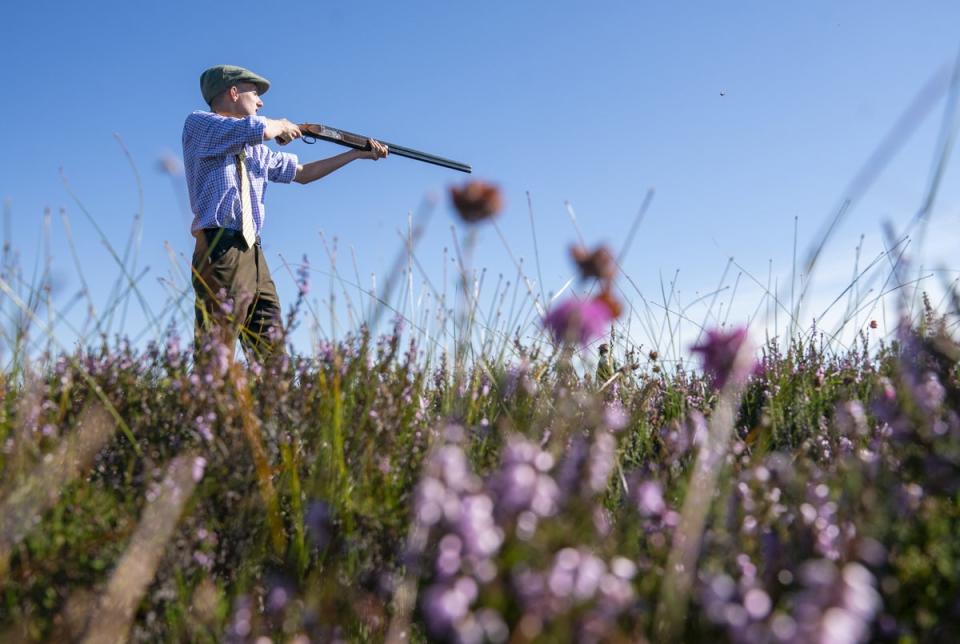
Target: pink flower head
<point>580,321</point>
<point>726,355</point>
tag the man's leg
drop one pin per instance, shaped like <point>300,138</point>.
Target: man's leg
<point>225,281</point>
<point>262,332</point>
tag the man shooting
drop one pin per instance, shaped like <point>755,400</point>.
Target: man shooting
<point>227,167</point>
<point>605,365</point>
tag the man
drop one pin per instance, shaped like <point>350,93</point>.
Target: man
<point>605,366</point>
<point>227,167</point>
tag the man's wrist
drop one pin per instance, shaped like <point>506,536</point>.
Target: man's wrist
<point>270,128</point>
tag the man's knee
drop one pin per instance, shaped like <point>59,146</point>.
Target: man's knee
<point>264,336</point>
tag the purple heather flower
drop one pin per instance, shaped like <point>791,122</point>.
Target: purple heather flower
<point>199,465</point>
<point>240,624</point>
<point>203,560</point>
<point>929,393</point>
<point>303,277</point>
<point>226,304</point>
<point>615,416</point>
<point>204,424</point>
<point>318,522</point>
<point>727,355</point>
<point>446,604</point>
<point>649,498</point>
<point>601,461</point>
<point>888,391</point>
<point>840,626</point>
<point>493,625</point>
<point>757,602</point>
<point>851,418</point>
<point>579,321</point>
<point>281,591</point>
<point>578,574</point>
<point>481,536</point>
<point>568,475</point>
<point>518,379</point>
<point>173,351</point>
<point>448,561</point>
<point>522,482</point>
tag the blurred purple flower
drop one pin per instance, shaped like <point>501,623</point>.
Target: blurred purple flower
<point>303,277</point>
<point>568,475</point>
<point>929,393</point>
<point>649,499</point>
<point>319,523</point>
<point>173,350</point>
<point>615,417</point>
<point>579,321</point>
<point>447,604</point>
<point>477,527</point>
<point>726,355</point>
<point>199,465</point>
<point>280,591</point>
<point>204,424</point>
<point>522,482</point>
<point>601,461</point>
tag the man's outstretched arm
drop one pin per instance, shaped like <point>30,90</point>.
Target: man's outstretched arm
<point>317,169</point>
<point>280,127</point>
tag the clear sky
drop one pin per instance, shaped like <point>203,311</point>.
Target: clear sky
<point>742,116</point>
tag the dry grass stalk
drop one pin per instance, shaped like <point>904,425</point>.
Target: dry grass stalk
<point>22,508</point>
<point>117,606</point>
<point>680,572</point>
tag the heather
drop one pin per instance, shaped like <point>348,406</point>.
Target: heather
<point>461,472</point>
<point>377,489</point>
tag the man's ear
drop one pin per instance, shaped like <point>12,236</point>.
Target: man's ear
<point>234,93</point>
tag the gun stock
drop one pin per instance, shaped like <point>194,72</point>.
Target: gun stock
<point>316,131</point>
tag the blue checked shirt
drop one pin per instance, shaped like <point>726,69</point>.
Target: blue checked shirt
<point>210,146</point>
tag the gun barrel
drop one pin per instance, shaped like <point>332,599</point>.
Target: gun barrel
<point>427,158</point>
<point>359,142</point>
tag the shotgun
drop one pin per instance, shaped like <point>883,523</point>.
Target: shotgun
<point>313,131</point>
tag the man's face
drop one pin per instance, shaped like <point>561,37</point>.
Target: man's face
<point>248,99</point>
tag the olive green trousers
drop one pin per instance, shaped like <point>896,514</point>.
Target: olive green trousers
<point>236,296</point>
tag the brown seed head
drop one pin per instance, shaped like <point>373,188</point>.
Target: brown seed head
<point>599,263</point>
<point>611,301</point>
<point>476,200</point>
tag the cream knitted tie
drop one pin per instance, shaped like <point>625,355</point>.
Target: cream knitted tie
<point>247,226</point>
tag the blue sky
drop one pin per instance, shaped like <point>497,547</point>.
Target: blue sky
<point>741,115</point>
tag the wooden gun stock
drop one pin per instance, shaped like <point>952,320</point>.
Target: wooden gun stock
<point>313,131</point>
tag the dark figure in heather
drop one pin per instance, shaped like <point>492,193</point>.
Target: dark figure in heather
<point>227,167</point>
<point>606,367</point>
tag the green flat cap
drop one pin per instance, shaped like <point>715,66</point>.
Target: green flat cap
<point>220,78</point>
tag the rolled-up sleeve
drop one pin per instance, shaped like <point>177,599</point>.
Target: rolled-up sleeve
<point>207,134</point>
<point>281,166</point>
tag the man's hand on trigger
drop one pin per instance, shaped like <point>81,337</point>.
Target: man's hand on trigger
<point>282,130</point>
<point>290,132</point>
<point>377,150</point>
